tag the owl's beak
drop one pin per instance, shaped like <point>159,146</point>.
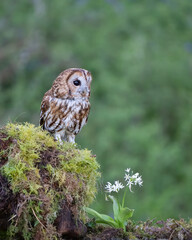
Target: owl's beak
<point>83,91</point>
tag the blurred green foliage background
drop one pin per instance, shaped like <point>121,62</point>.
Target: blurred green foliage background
<point>140,56</point>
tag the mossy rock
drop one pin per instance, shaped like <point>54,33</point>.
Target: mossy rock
<point>43,183</point>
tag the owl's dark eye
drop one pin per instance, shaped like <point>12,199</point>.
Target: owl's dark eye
<point>77,82</point>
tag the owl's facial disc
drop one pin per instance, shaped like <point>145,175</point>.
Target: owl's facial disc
<point>81,89</point>
<point>78,85</point>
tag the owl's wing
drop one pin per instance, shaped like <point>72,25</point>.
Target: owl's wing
<point>44,108</point>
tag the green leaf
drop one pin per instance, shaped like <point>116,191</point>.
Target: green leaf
<point>121,214</point>
<point>101,218</point>
<point>116,207</point>
<point>124,214</point>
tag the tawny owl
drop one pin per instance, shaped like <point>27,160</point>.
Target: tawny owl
<point>65,107</point>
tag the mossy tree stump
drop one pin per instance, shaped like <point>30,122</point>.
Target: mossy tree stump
<point>43,185</point>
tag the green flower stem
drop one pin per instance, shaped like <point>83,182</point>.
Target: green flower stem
<point>123,201</point>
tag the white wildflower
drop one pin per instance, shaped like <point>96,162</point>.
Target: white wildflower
<point>132,179</point>
<point>139,181</point>
<point>127,177</point>
<point>114,187</point>
<point>117,186</point>
<point>127,170</point>
<point>129,184</point>
<point>108,187</point>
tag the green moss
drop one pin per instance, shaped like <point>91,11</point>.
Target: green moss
<point>43,182</point>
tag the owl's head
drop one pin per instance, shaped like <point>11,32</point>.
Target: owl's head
<point>72,83</point>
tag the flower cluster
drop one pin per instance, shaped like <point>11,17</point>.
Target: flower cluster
<point>120,211</point>
<point>130,179</point>
<point>114,187</point>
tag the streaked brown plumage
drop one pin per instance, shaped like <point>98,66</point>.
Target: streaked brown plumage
<point>65,107</point>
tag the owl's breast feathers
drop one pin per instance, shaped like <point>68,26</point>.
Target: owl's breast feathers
<point>59,114</point>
